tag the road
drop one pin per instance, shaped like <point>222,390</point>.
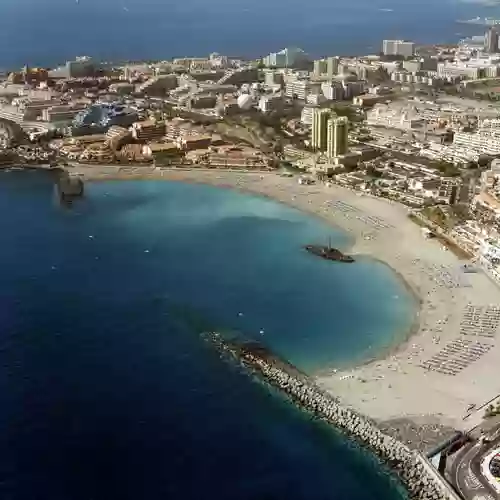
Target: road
<point>466,474</point>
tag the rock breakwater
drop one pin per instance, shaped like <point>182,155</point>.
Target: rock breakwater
<point>421,480</point>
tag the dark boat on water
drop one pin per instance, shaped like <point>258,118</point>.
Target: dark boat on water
<point>328,253</point>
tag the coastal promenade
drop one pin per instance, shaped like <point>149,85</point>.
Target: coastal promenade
<point>445,366</point>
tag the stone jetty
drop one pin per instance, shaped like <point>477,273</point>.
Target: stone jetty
<point>421,480</point>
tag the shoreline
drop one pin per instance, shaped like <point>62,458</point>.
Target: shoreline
<point>393,385</point>
<point>413,470</point>
<point>384,352</point>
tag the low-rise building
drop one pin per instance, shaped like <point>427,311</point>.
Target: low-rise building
<point>270,103</point>
<point>148,130</point>
<point>469,236</point>
<point>229,157</point>
<point>294,153</point>
<point>117,136</point>
<point>202,101</point>
<point>485,141</point>
<point>489,257</point>
<point>97,152</point>
<point>190,142</point>
<point>300,89</point>
<point>122,88</point>
<point>62,113</point>
<point>442,189</point>
<point>485,207</point>
<point>163,149</point>
<point>333,91</point>
<point>306,116</point>
<point>135,152</point>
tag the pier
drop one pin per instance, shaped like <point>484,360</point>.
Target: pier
<point>420,478</point>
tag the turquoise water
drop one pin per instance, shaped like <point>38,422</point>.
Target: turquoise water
<point>107,390</point>
<point>248,272</point>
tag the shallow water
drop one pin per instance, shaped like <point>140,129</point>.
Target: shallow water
<point>107,390</point>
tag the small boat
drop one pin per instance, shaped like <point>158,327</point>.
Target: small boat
<point>329,253</point>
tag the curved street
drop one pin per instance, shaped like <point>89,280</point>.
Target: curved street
<point>466,475</point>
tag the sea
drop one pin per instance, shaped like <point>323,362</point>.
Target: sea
<point>108,390</point>
<point>49,32</point>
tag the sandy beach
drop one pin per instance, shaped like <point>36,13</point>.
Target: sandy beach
<point>444,366</point>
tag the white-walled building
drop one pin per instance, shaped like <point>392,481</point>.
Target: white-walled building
<point>484,141</point>
<point>270,103</point>
<point>333,91</point>
<point>398,48</point>
<point>300,89</point>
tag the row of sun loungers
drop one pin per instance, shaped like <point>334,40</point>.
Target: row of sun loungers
<point>455,356</point>
<point>480,320</point>
<point>371,220</point>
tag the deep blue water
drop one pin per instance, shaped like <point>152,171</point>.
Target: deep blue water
<point>107,390</point>
<point>51,31</point>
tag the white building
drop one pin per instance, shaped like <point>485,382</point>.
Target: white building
<point>286,58</point>
<point>405,77</point>
<point>306,116</point>
<point>484,141</point>
<point>333,91</point>
<point>387,116</point>
<point>315,99</point>
<point>478,67</point>
<point>300,89</point>
<point>272,78</point>
<point>489,257</point>
<point>270,103</point>
<point>398,48</point>
<point>352,89</point>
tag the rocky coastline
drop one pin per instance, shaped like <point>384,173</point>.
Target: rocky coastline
<point>420,479</point>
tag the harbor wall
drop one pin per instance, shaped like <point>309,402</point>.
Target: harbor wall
<point>421,480</point>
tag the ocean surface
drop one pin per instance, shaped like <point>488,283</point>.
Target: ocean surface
<point>107,389</point>
<point>48,32</point>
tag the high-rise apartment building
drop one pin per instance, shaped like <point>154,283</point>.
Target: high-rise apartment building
<point>320,67</point>
<point>328,67</point>
<point>491,41</point>
<point>337,136</point>
<point>332,66</point>
<point>398,48</point>
<point>319,134</point>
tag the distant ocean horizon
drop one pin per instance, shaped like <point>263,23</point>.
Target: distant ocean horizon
<point>50,32</point>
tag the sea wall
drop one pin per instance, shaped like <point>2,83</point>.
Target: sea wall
<point>420,479</point>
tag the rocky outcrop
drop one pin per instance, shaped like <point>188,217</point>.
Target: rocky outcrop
<point>70,186</point>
